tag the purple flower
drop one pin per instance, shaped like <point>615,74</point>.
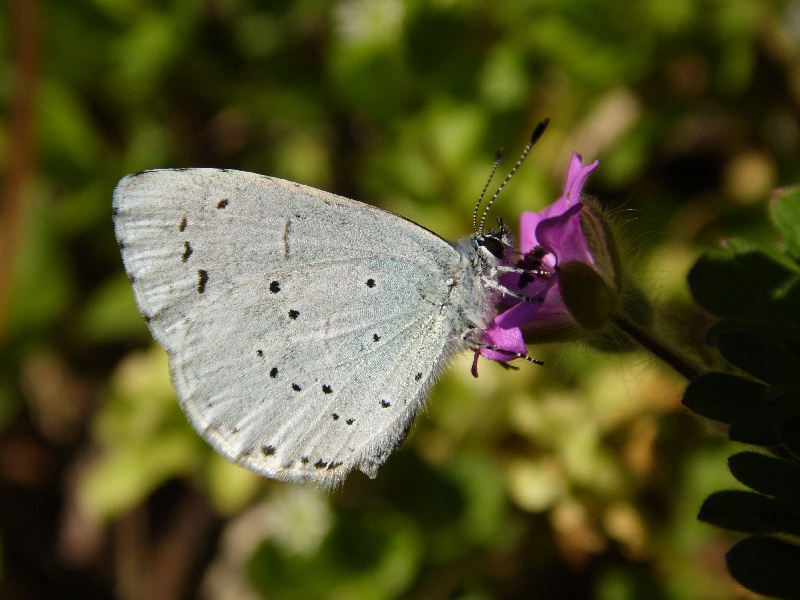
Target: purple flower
<point>549,240</point>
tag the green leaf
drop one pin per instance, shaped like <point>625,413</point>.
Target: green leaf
<point>783,335</point>
<point>749,285</point>
<point>766,474</point>
<point>756,355</point>
<point>785,212</point>
<point>757,428</point>
<point>767,566</point>
<point>740,510</point>
<point>760,427</point>
<point>783,401</point>
<point>724,397</point>
<point>733,509</point>
<point>789,434</point>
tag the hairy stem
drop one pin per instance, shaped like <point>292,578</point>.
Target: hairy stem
<point>644,338</point>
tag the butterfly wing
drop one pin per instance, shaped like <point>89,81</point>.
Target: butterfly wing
<point>304,329</point>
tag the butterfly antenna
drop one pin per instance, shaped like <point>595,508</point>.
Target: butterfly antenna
<point>497,160</point>
<point>537,133</point>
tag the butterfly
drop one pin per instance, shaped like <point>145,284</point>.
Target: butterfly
<point>304,329</point>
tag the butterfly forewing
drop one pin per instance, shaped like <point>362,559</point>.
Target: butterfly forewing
<point>303,328</point>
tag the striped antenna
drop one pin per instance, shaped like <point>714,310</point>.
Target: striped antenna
<point>537,133</point>
<point>497,160</point>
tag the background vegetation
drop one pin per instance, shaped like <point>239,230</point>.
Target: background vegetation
<point>581,479</point>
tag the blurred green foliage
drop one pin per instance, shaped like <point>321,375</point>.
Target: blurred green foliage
<point>581,479</point>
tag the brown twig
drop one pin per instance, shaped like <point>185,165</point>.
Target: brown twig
<point>25,71</point>
<point>161,567</point>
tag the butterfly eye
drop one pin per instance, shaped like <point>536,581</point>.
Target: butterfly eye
<point>493,245</point>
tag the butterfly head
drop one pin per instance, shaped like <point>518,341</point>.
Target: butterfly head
<point>496,243</point>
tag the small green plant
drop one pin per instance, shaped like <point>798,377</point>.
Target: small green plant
<point>756,295</point>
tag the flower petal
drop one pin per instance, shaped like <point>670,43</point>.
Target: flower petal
<point>553,308</point>
<point>518,315</point>
<point>527,231</point>
<point>508,340</point>
<point>536,287</point>
<point>563,237</point>
<point>576,177</point>
<point>529,221</point>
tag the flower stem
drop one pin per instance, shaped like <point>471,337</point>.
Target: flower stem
<point>681,364</point>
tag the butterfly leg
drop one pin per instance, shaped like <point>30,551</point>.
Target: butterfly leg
<point>496,285</point>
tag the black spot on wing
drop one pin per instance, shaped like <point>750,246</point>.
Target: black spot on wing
<point>114,211</point>
<point>335,416</point>
<point>375,337</point>
<point>268,450</point>
<point>182,225</point>
<point>418,376</point>
<point>350,421</point>
<point>385,403</point>
<point>260,353</point>
<point>320,464</point>
<point>304,460</point>
<point>334,465</point>
<point>296,387</point>
<point>187,251</point>
<point>326,389</point>
<point>273,372</point>
<point>202,280</point>
<point>293,314</point>
<point>274,287</point>
<point>370,283</point>
<point>222,203</point>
